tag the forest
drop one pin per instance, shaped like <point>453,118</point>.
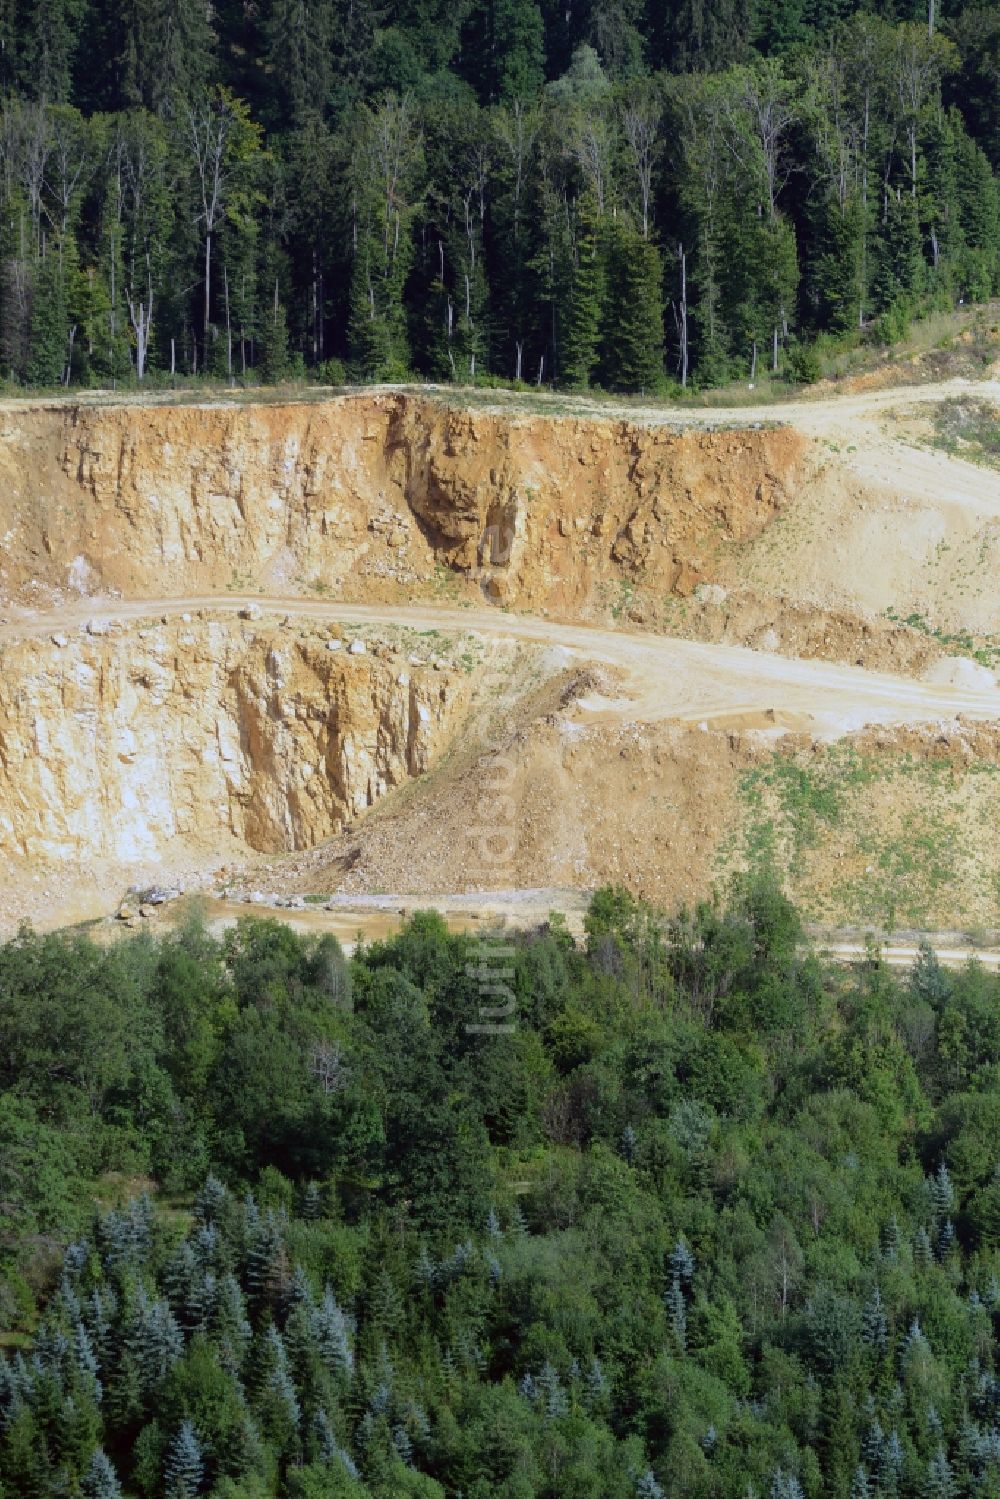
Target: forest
<point>636,195</point>
<point>709,1219</point>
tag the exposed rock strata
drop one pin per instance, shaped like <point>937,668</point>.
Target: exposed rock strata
<point>119,745</point>
<point>371,496</point>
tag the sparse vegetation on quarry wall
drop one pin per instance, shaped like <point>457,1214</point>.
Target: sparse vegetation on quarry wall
<point>375,496</point>
<point>207,734</point>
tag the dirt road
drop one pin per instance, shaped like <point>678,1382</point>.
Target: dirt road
<point>662,678</point>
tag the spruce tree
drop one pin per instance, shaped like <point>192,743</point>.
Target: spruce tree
<point>838,275</point>
<point>230,1325</point>
<point>581,336</point>
<point>48,338</point>
<point>330,1328</point>
<point>184,1467</point>
<point>100,1480</point>
<point>512,46</point>
<point>875,1324</point>
<point>211,1200</point>
<point>979,212</point>
<point>940,1481</point>
<point>632,338</point>
<point>274,360</point>
<point>941,1191</point>
<point>677,1311</point>
<point>897,260</point>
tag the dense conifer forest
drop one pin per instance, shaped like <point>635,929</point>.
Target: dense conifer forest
<point>627,193</point>
<point>710,1220</point>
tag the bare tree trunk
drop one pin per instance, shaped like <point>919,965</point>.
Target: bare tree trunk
<point>142,321</point>
<point>319,315</point>
<point>229,326</point>
<point>315,315</point>
<point>208,288</point>
<point>774,355</point>
<point>753,363</point>
<point>930,17</point>
<point>519,347</point>
<point>684,315</point>
<point>113,319</point>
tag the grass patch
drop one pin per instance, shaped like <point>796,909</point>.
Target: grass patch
<point>968,429</point>
<point>872,839</point>
<point>985,650</point>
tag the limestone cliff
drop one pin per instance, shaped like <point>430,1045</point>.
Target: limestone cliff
<point>206,733</point>
<point>370,496</point>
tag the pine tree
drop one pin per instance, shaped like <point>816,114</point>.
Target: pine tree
<point>425,1272</point>
<point>385,1308</point>
<point>183,1282</point>
<point>155,1341</point>
<point>518,1225</point>
<point>184,1467</point>
<point>403,1445</point>
<point>979,212</point>
<point>85,1358</point>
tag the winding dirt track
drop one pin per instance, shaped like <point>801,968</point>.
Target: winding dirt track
<point>663,677</point>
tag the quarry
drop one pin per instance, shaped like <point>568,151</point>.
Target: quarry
<point>282,646</point>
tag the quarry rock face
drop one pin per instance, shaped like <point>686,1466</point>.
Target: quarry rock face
<point>118,746</point>
<point>372,495</point>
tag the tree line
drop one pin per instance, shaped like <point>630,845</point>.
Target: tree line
<point>628,195</point>
<point>710,1221</point>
